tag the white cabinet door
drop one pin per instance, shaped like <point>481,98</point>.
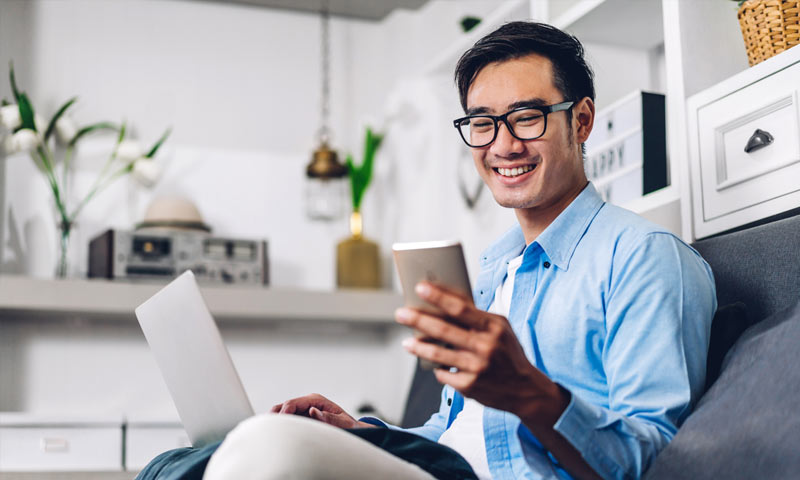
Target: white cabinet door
<point>60,448</point>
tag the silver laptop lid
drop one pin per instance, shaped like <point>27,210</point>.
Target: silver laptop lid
<point>194,362</point>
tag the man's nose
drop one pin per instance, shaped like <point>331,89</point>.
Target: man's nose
<point>505,143</point>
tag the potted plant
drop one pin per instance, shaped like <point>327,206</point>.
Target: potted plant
<point>55,142</point>
<point>357,258</point>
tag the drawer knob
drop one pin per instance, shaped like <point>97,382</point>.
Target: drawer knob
<point>759,139</point>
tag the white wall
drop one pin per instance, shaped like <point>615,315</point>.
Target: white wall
<point>240,86</point>
<point>216,72</point>
<point>620,71</point>
<point>97,368</point>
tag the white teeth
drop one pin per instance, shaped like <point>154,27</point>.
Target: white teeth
<point>513,172</point>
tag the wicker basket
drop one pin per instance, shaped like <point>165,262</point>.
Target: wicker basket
<point>769,27</point>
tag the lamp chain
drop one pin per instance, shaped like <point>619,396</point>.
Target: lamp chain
<point>324,131</point>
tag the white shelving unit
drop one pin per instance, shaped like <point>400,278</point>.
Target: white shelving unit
<point>25,297</point>
<point>613,22</point>
<point>445,62</point>
<point>687,45</point>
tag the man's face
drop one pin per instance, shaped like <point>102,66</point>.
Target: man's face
<point>552,164</point>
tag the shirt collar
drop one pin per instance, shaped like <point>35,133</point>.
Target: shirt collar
<point>559,239</point>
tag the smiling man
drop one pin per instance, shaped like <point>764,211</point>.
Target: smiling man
<point>586,345</point>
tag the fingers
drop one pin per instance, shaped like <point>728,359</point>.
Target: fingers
<point>301,405</point>
<point>436,328</point>
<point>286,407</point>
<point>341,420</point>
<point>454,306</point>
<point>461,381</point>
<point>462,360</point>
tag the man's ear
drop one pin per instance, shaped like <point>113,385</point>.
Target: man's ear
<point>583,116</point>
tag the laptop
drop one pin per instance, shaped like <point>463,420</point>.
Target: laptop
<point>193,360</point>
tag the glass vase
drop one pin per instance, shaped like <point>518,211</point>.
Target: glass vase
<point>65,229</point>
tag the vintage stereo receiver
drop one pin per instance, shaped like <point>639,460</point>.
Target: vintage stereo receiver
<point>121,254</point>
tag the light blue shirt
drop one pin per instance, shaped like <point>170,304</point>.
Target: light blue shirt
<point>616,310</point>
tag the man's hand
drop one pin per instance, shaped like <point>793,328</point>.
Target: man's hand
<point>491,366</point>
<point>319,408</point>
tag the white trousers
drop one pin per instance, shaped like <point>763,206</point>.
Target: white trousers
<point>272,446</point>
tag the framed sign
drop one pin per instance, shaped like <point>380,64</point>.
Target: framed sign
<point>626,154</point>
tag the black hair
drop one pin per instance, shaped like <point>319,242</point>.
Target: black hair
<point>572,75</point>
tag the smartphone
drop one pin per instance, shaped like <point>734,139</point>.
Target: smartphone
<point>440,263</point>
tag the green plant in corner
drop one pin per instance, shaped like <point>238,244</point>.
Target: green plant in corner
<point>55,141</point>
<point>361,176</point>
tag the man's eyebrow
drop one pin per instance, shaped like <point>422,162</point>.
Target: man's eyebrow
<point>531,102</point>
<point>477,110</point>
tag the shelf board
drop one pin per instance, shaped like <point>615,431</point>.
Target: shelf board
<point>369,10</point>
<point>112,300</point>
<point>623,23</point>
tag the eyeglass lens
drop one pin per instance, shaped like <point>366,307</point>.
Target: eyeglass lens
<point>526,124</point>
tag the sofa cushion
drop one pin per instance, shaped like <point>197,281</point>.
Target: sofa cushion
<point>729,322</point>
<point>748,424</point>
<point>757,266</point>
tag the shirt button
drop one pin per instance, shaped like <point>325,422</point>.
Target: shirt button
<point>546,264</point>
<point>449,401</point>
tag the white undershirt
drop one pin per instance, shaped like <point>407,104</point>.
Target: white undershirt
<point>465,434</point>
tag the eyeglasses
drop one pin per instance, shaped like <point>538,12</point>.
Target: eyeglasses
<point>524,123</point>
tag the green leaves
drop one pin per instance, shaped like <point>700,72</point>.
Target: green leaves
<point>13,81</point>
<point>469,22</point>
<point>25,107</point>
<point>44,157</point>
<point>158,144</point>
<point>91,128</point>
<point>51,127</point>
<point>360,177</point>
<point>25,113</point>
<point>122,130</point>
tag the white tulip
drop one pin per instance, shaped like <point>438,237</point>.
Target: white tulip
<point>129,151</point>
<point>8,145</point>
<point>24,140</point>
<point>9,117</point>
<point>41,126</point>
<point>146,171</point>
<point>65,130</point>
